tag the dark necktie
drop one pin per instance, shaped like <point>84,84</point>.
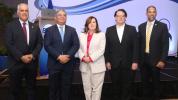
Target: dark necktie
<point>25,31</point>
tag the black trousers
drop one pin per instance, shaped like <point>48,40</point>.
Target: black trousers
<point>122,80</point>
<point>18,72</point>
<point>60,84</point>
<point>150,76</point>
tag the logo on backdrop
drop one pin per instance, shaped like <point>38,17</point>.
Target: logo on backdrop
<point>164,20</point>
<point>45,27</point>
<point>88,6</point>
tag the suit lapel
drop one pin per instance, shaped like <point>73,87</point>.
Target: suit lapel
<point>65,33</point>
<point>56,30</point>
<point>116,34</point>
<point>30,32</point>
<point>92,41</point>
<point>154,29</point>
<point>84,38</point>
<point>20,30</point>
<point>124,34</point>
<point>144,30</point>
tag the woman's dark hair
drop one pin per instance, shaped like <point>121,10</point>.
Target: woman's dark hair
<point>88,21</point>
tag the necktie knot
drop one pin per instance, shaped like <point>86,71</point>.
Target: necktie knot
<point>149,25</point>
<point>61,29</point>
<point>24,24</point>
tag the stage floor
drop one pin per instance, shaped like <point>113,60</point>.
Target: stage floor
<point>169,86</point>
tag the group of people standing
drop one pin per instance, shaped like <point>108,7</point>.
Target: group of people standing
<point>121,50</point>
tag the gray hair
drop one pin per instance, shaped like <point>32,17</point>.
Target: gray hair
<point>20,4</point>
<point>57,11</point>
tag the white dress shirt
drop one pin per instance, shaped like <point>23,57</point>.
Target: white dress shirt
<point>120,31</point>
<point>27,29</point>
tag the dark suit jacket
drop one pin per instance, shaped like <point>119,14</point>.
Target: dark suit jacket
<point>126,51</point>
<point>55,47</point>
<point>16,44</point>
<point>159,41</point>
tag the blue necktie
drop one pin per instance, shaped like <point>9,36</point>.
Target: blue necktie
<point>61,32</point>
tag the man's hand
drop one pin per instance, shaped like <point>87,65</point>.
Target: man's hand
<point>30,56</point>
<point>63,58</point>
<point>134,66</point>
<point>108,65</point>
<point>27,58</point>
<point>160,65</point>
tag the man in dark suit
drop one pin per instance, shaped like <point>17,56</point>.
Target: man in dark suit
<point>24,42</point>
<point>154,39</point>
<point>61,42</point>
<point>121,55</point>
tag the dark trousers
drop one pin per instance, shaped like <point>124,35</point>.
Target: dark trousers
<point>122,80</point>
<point>16,74</point>
<point>150,76</point>
<point>60,84</point>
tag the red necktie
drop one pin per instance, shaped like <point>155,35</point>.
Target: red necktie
<point>25,31</point>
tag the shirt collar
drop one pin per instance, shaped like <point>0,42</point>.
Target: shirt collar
<point>23,22</point>
<point>122,26</point>
<point>60,26</point>
<point>152,23</point>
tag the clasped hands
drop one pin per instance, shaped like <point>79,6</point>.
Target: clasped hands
<point>86,59</point>
<point>63,58</point>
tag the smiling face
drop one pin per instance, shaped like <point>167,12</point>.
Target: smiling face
<point>22,12</point>
<point>61,17</point>
<point>151,13</point>
<point>92,25</point>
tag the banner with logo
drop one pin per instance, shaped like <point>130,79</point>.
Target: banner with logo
<point>103,10</point>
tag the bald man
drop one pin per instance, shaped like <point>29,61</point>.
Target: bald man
<point>23,42</point>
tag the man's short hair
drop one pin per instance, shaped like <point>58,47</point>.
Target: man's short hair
<point>151,6</point>
<point>122,10</point>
